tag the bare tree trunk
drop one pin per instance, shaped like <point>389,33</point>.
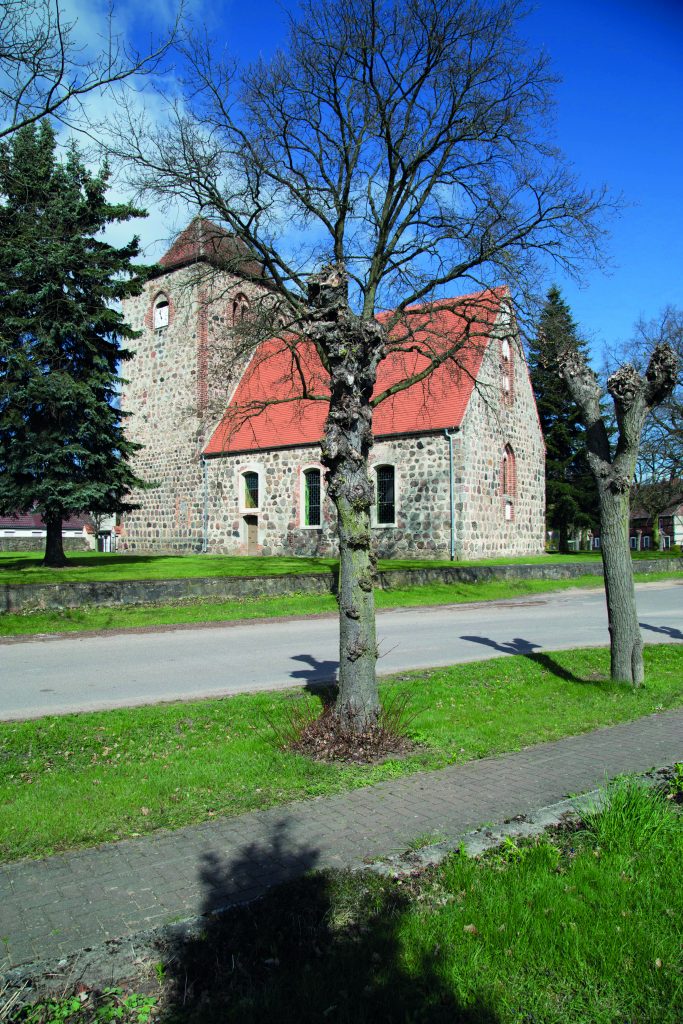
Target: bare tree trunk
<point>352,349</point>
<point>626,644</point>
<point>54,546</point>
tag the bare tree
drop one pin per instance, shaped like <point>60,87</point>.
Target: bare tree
<point>395,153</point>
<point>44,71</point>
<point>658,480</point>
<point>634,396</point>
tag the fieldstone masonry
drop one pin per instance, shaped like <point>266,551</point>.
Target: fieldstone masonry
<point>179,382</point>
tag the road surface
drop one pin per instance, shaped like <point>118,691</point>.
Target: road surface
<point>63,674</point>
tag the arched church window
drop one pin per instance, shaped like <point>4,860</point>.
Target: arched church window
<point>251,489</point>
<point>312,497</point>
<point>508,482</point>
<point>240,308</point>
<point>161,312</point>
<point>386,496</point>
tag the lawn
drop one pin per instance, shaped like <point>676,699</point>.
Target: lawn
<point>575,927</point>
<point>26,567</point>
<point>83,779</point>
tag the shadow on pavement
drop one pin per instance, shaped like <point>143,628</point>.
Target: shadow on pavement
<point>670,631</point>
<point>324,947</point>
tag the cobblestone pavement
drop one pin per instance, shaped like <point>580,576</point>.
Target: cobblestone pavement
<point>65,903</point>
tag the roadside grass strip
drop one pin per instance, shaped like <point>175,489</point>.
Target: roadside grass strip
<point>70,620</point>
<point>572,927</point>
<point>79,780</point>
<point>27,567</point>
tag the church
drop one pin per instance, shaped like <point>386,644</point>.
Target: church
<point>458,458</point>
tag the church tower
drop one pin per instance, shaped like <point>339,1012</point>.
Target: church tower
<point>182,372</point>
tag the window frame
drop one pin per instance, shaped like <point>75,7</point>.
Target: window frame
<point>377,523</point>
<point>161,301</point>
<point>306,475</point>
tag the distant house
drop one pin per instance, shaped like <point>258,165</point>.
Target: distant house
<point>458,459</point>
<point>27,532</point>
<point>641,529</point>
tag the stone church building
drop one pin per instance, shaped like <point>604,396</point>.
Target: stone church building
<point>234,453</point>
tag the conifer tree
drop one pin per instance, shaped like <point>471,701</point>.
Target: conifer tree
<point>571,496</point>
<point>62,446</point>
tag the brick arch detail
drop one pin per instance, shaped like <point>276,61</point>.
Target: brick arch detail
<point>149,315</point>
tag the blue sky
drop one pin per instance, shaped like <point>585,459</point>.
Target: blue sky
<point>619,121</point>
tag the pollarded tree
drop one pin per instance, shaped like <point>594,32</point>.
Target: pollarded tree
<point>62,445</point>
<point>395,153</point>
<point>571,498</point>
<point>658,481</point>
<point>613,463</point>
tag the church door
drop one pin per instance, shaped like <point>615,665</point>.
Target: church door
<point>251,523</point>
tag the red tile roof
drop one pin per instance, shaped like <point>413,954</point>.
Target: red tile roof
<point>204,240</point>
<point>34,521</point>
<point>266,410</point>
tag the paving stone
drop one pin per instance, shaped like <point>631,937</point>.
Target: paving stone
<point>67,902</point>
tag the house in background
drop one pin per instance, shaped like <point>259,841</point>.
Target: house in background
<point>458,459</point>
<point>27,533</point>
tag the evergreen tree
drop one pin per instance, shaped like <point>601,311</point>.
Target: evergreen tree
<point>62,445</point>
<point>571,497</point>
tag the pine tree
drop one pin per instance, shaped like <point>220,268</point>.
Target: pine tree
<point>571,497</point>
<point>62,445</point>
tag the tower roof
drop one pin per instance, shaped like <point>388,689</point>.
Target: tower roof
<point>202,241</point>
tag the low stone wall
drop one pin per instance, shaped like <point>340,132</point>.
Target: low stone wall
<point>38,544</point>
<point>37,597</point>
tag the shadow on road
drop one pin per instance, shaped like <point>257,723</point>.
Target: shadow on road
<point>324,947</point>
<point>670,631</point>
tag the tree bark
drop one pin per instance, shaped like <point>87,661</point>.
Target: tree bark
<point>351,349</point>
<point>626,644</point>
<point>54,547</point>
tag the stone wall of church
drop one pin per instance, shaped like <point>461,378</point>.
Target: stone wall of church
<point>501,423</point>
<point>422,512</point>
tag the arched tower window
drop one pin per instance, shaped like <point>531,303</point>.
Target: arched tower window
<point>386,496</point>
<point>240,308</point>
<point>506,372</point>
<point>161,310</point>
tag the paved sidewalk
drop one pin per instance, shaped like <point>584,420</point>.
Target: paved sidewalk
<point>65,903</point>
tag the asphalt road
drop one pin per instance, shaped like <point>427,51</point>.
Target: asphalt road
<point>64,674</point>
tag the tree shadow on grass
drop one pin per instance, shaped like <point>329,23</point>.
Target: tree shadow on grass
<point>526,649</point>
<point>670,631</point>
<point>322,947</point>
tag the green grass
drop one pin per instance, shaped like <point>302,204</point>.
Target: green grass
<point>102,618</point>
<point>83,779</point>
<point>26,567</point>
<point>562,930</point>
<point>573,927</point>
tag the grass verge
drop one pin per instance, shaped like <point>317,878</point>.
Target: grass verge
<point>79,780</point>
<point>26,567</point>
<point>101,618</point>
<point>574,927</point>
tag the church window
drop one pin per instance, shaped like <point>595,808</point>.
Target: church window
<point>386,496</point>
<point>161,312</point>
<point>240,308</point>
<point>312,497</point>
<point>506,372</point>
<point>508,482</point>
<point>251,489</point>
